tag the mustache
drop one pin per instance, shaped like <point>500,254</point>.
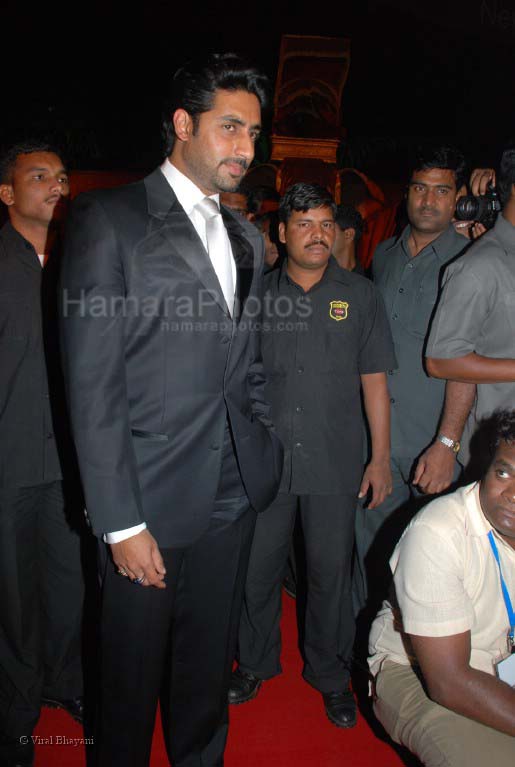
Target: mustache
<point>237,161</point>
<point>317,243</point>
<point>425,209</point>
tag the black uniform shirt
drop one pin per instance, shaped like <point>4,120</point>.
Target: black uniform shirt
<point>315,346</point>
<point>28,451</point>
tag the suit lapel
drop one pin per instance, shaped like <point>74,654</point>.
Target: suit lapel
<point>244,255</point>
<point>168,218</point>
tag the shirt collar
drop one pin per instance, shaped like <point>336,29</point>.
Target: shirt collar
<point>449,243</point>
<point>479,525</point>
<point>505,232</point>
<point>188,194</point>
<point>333,272</point>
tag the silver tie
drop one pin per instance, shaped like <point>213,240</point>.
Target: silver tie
<point>218,248</point>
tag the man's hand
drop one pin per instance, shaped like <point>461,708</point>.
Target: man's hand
<point>139,557</point>
<point>377,476</point>
<point>435,469</point>
<point>469,229</point>
<point>479,180</point>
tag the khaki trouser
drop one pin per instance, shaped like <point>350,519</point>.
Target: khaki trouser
<point>437,736</point>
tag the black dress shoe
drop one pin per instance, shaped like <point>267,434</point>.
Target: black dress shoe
<point>17,752</point>
<point>243,687</point>
<point>340,708</point>
<point>74,706</point>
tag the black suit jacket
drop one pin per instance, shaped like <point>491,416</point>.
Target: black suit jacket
<point>154,364</point>
<point>28,449</point>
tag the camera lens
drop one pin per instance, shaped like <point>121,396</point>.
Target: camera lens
<point>467,208</point>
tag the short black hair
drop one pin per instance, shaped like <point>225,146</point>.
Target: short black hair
<point>257,194</point>
<point>194,85</point>
<point>9,157</point>
<point>490,433</point>
<point>348,217</point>
<point>502,429</point>
<point>272,218</point>
<point>303,197</point>
<point>442,158</point>
<point>506,174</point>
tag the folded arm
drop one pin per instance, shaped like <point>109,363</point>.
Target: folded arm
<point>454,684</point>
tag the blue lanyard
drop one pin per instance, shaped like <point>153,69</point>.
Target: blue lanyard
<point>507,600</point>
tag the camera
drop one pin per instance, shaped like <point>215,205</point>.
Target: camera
<point>483,209</point>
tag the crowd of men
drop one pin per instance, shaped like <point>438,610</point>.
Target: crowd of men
<point>187,411</point>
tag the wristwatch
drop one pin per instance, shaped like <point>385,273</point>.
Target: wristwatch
<point>453,444</point>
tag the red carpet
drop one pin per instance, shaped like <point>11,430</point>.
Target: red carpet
<point>284,726</point>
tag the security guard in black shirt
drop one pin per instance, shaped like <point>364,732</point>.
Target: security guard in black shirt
<point>40,547</point>
<point>325,339</point>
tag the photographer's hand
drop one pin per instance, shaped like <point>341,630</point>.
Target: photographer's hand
<point>480,178</point>
<point>469,229</point>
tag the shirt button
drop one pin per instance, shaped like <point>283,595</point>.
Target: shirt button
<point>410,266</point>
<point>224,340</point>
<point>49,436</point>
<point>401,290</point>
<point>390,372</point>
<point>299,409</point>
<point>298,444</point>
<point>394,316</point>
<point>215,447</point>
<point>392,400</point>
<point>300,369</point>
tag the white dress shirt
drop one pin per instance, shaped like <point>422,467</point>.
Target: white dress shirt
<point>188,195</point>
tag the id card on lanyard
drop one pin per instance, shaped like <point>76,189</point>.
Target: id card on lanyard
<point>505,669</point>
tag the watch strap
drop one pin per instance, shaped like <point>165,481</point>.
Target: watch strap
<point>452,444</point>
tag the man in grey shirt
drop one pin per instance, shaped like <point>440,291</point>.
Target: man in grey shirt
<point>407,270</point>
<point>473,332</point>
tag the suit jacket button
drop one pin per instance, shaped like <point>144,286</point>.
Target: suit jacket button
<point>215,447</point>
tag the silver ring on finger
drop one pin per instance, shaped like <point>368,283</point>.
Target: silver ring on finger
<point>139,580</point>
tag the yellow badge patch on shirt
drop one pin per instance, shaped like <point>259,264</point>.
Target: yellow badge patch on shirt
<point>338,310</point>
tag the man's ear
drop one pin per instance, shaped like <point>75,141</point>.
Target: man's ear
<point>7,194</point>
<point>183,124</point>
<point>349,234</point>
<point>282,233</point>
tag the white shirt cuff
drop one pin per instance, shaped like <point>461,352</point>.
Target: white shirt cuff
<point>122,535</point>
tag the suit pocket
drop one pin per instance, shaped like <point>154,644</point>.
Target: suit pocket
<point>151,436</point>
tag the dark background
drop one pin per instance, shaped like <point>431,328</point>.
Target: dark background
<point>93,75</point>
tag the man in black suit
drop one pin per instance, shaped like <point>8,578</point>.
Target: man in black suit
<point>176,450</point>
<point>40,565</point>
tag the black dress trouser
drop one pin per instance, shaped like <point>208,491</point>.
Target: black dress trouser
<point>328,531</point>
<point>41,600</point>
<point>175,645</point>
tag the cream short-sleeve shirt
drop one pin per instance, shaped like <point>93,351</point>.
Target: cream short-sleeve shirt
<point>447,582</point>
